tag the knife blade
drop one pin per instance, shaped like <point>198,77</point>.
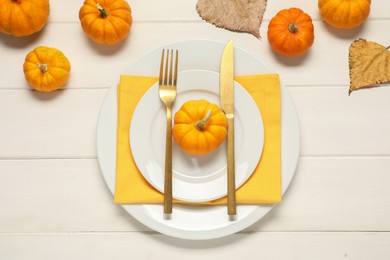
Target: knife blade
<point>226,88</point>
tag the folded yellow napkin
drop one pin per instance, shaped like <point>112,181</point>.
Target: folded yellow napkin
<point>264,186</point>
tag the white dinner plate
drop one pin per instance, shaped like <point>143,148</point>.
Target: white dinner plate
<point>203,177</point>
<point>201,222</point>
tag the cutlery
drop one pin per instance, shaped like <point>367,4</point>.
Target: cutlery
<point>167,92</point>
<point>227,104</point>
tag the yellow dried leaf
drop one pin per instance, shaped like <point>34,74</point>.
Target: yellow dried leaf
<point>234,15</point>
<point>369,64</point>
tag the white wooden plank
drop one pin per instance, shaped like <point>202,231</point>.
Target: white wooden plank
<point>333,123</point>
<point>358,246</point>
<point>327,194</point>
<point>379,8</point>
<point>179,11</point>
<point>63,124</point>
<point>59,196</point>
<point>142,11</point>
<point>338,194</point>
<point>97,66</point>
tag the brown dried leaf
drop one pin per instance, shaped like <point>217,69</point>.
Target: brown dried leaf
<point>234,15</point>
<point>369,64</point>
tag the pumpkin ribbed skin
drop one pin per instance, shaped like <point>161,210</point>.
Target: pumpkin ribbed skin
<point>291,32</point>
<point>106,21</point>
<point>189,137</point>
<point>23,17</point>
<point>46,69</point>
<point>344,13</point>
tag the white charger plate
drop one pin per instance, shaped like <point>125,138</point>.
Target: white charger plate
<point>195,178</point>
<point>201,222</point>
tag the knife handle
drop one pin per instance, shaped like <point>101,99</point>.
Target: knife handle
<point>231,183</point>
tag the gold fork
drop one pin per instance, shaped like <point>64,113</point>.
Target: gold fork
<point>167,92</point>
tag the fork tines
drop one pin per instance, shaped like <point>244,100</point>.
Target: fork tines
<point>168,74</point>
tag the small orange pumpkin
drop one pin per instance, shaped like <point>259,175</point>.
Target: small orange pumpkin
<point>344,13</point>
<point>23,17</point>
<point>46,69</point>
<point>199,127</point>
<point>291,32</point>
<point>106,21</point>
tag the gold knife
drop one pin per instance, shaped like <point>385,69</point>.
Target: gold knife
<point>226,90</point>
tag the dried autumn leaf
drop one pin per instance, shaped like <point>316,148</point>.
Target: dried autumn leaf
<point>234,15</point>
<point>369,64</point>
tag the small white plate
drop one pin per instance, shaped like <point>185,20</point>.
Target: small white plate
<point>195,178</point>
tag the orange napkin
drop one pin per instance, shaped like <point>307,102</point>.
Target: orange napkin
<point>264,186</point>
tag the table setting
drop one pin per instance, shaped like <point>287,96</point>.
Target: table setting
<point>194,79</point>
<point>199,129</point>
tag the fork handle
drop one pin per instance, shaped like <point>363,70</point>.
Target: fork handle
<point>168,165</point>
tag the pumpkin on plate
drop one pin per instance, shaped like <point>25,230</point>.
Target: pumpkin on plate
<point>199,127</point>
<point>46,69</point>
<point>344,13</point>
<point>106,21</point>
<point>291,32</point>
<point>23,17</point>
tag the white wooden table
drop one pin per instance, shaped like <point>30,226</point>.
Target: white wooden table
<point>54,203</point>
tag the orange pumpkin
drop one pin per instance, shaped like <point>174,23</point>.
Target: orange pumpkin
<point>23,17</point>
<point>291,32</point>
<point>344,13</point>
<point>46,69</point>
<point>106,21</point>
<point>199,127</point>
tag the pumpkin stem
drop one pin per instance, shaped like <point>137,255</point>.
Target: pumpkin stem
<point>293,27</point>
<point>103,11</point>
<point>201,123</point>
<point>43,67</point>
